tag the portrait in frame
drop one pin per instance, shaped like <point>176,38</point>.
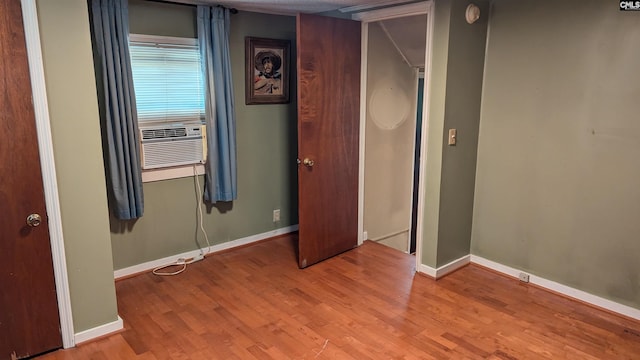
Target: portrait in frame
<point>267,71</point>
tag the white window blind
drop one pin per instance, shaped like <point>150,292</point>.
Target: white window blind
<point>167,79</point>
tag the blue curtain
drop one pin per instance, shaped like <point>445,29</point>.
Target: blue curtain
<point>110,21</point>
<point>221,167</point>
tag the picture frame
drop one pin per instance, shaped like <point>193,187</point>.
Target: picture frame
<point>268,68</point>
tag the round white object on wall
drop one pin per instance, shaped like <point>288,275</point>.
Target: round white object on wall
<point>472,14</point>
<point>389,105</point>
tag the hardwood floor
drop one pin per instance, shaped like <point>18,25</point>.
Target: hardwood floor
<point>254,303</point>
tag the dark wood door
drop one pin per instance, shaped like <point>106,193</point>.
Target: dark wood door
<point>328,55</point>
<point>29,320</point>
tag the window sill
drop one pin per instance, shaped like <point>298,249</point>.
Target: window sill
<point>171,173</point>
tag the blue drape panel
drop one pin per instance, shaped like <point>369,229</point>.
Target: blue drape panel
<point>221,167</point>
<point>120,126</point>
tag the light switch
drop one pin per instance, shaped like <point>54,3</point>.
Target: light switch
<point>453,135</point>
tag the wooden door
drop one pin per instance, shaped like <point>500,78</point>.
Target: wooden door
<point>29,320</point>
<point>328,59</point>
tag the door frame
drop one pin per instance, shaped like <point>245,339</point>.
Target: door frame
<point>47,164</point>
<point>425,7</point>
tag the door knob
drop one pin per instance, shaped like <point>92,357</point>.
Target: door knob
<point>34,220</point>
<point>307,162</point>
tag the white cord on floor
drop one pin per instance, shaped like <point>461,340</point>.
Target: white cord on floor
<point>156,271</point>
<point>323,347</point>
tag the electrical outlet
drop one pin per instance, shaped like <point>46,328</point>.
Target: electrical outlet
<point>276,215</point>
<point>524,277</point>
<point>453,136</point>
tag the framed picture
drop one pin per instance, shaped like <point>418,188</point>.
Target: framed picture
<point>267,71</point>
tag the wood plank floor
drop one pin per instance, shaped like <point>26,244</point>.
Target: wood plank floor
<point>254,303</point>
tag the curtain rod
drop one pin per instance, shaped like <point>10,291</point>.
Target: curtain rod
<point>231,10</point>
<point>193,3</point>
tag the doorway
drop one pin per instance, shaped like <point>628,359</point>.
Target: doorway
<point>396,42</point>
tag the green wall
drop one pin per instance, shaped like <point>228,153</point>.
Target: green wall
<point>162,19</point>
<point>75,127</point>
<point>456,86</point>
<point>557,190</point>
<point>266,148</point>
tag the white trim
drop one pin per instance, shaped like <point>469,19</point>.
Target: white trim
<point>427,270</point>
<point>391,234</point>
<point>452,266</point>
<point>171,173</point>
<point>364,39</point>
<point>163,40</point>
<point>45,146</point>
<point>426,100</point>
<point>99,331</point>
<point>150,265</point>
<point>357,8</point>
<point>394,12</point>
<point>561,289</point>
<point>444,269</point>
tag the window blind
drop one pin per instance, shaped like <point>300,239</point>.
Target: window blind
<point>167,79</point>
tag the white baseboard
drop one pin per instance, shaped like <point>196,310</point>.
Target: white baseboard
<point>561,289</point>
<point>445,269</point>
<point>150,265</point>
<point>98,331</point>
<point>427,270</point>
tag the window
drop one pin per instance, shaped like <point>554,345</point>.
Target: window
<point>169,92</point>
<point>167,79</point>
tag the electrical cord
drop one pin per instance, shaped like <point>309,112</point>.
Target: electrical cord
<point>199,200</point>
<point>182,262</point>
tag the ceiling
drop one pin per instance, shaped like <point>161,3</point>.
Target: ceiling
<point>291,7</point>
<point>408,34</point>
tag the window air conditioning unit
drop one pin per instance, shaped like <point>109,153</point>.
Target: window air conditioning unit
<point>165,146</point>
